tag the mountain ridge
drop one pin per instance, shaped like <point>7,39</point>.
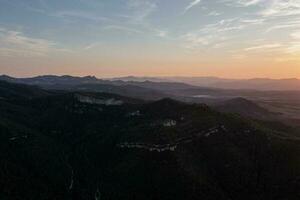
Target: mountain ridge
<point>64,147</point>
<point>209,81</point>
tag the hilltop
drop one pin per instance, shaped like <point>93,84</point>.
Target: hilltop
<point>82,145</point>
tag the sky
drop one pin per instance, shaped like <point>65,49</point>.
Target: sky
<point>109,38</point>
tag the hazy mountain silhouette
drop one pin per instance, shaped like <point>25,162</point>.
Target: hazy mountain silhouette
<point>215,82</point>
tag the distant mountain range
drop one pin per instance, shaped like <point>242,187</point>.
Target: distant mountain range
<point>215,82</point>
<point>211,82</point>
<point>131,88</point>
<point>250,103</point>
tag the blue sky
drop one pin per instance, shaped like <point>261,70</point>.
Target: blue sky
<point>229,38</point>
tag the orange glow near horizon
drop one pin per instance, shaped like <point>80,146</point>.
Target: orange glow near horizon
<point>229,39</point>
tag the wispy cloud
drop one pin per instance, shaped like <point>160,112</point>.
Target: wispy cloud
<point>295,35</point>
<point>264,47</point>
<point>91,46</point>
<point>15,43</point>
<point>286,24</point>
<point>92,3</point>
<point>294,49</point>
<point>244,3</point>
<point>191,5</point>
<point>122,28</point>
<point>214,13</point>
<point>161,33</point>
<point>280,8</point>
<point>217,35</point>
<point>270,8</point>
<point>81,15</point>
<point>250,2</point>
<point>140,9</point>
<point>198,40</point>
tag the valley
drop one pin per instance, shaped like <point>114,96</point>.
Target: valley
<point>62,144</point>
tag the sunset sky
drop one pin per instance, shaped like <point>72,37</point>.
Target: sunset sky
<point>105,38</point>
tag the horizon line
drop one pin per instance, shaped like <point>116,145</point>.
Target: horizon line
<point>148,76</point>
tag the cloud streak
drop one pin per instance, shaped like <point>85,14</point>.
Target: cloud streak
<point>15,43</point>
<point>281,8</point>
<point>191,5</point>
<point>264,47</point>
<point>91,46</point>
<point>141,9</point>
<point>122,28</point>
<point>250,2</point>
<point>219,34</point>
<point>244,3</point>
